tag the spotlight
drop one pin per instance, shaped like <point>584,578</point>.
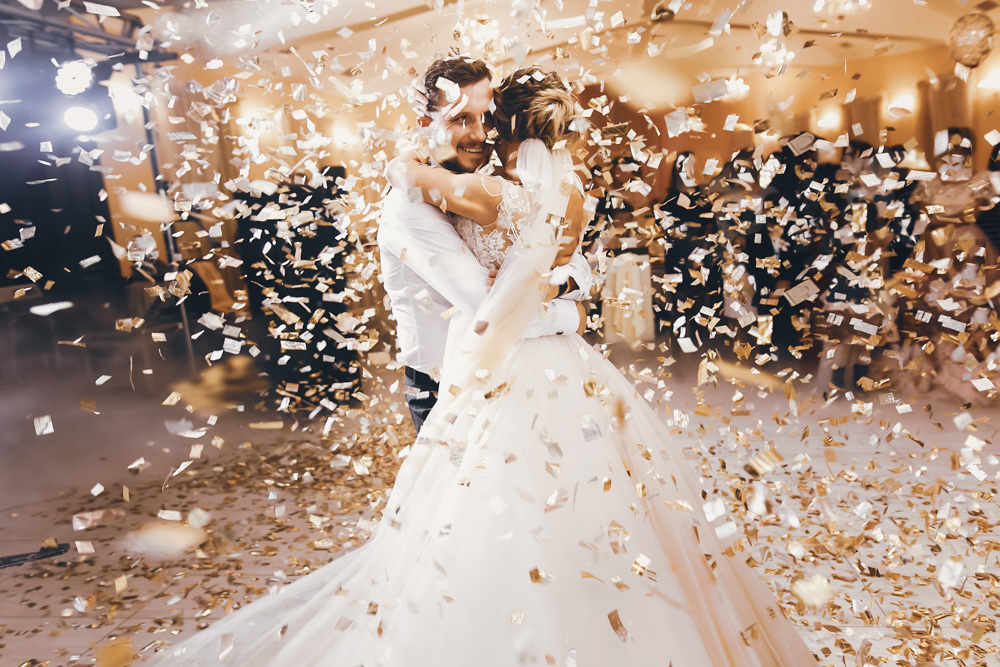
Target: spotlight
<point>74,77</point>
<point>81,119</point>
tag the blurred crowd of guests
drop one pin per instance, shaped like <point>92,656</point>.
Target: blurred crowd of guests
<point>848,256</point>
<point>296,308</point>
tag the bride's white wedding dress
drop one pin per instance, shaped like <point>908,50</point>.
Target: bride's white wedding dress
<point>544,517</point>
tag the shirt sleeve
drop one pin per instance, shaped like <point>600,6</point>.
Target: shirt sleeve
<point>560,316</point>
<point>424,239</point>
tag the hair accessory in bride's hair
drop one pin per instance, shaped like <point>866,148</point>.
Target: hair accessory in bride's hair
<point>532,104</point>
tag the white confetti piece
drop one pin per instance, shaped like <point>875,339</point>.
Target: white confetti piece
<point>726,530</point>
<point>963,421</point>
<point>714,509</point>
<point>983,384</point>
<point>43,425</point>
<point>949,573</point>
<point>814,591</point>
<point>100,10</point>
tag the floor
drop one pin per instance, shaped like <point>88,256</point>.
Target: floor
<point>181,500</point>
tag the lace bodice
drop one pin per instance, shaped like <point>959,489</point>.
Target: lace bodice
<point>490,243</point>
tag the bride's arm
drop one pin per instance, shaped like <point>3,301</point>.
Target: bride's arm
<point>570,277</point>
<point>472,196</point>
<point>574,223</point>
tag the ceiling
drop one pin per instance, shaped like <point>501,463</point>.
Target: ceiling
<point>371,46</point>
<point>376,40</point>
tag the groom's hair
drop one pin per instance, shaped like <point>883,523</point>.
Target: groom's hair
<point>459,70</point>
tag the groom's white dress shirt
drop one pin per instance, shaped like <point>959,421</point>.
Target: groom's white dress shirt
<point>427,269</point>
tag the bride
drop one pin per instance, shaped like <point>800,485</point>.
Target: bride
<point>544,516</point>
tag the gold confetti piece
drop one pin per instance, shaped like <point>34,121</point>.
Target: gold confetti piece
<point>679,505</point>
<point>618,626</point>
<point>540,576</point>
<point>116,653</point>
<point>640,565</point>
<point>763,462</point>
<point>172,399</point>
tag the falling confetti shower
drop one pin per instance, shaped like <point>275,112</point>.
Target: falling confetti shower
<point>273,126</point>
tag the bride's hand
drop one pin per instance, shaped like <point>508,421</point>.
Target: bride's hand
<point>395,170</point>
<point>551,292</point>
<point>416,97</point>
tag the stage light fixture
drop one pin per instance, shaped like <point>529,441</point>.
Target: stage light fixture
<point>74,77</point>
<point>81,119</point>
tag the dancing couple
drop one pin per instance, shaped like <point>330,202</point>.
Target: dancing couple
<point>544,515</point>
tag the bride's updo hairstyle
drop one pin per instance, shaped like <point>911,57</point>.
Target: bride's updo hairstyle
<point>532,104</point>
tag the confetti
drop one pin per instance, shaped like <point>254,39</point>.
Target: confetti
<point>43,425</point>
<point>100,10</point>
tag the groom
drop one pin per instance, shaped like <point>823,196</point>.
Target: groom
<point>427,269</point>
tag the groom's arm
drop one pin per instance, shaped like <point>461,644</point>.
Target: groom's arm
<point>425,240</point>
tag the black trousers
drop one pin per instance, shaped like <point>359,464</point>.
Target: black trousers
<point>421,395</point>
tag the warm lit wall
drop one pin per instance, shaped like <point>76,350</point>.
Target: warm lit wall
<point>263,113</point>
<point>260,135</point>
<point>790,102</point>
<point>798,99</point>
<point>127,169</point>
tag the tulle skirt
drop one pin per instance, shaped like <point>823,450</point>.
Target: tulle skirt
<point>548,521</point>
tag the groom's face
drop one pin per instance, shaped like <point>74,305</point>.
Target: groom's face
<point>468,127</point>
